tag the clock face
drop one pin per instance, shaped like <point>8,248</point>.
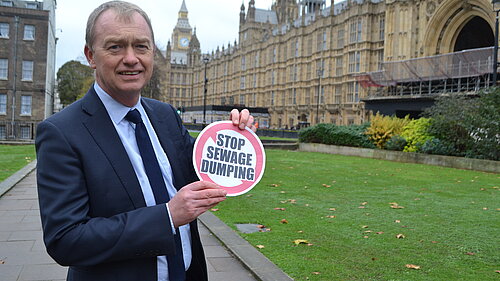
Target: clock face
<point>184,42</point>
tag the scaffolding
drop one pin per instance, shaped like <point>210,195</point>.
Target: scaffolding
<point>464,71</point>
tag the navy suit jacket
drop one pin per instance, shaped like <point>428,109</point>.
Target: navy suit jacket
<point>94,216</point>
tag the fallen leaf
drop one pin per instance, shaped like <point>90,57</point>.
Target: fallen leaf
<point>365,236</point>
<point>497,271</point>
<point>374,259</point>
<point>300,241</point>
<point>364,226</point>
<point>260,246</point>
<point>261,226</point>
<point>400,236</point>
<point>434,242</point>
<point>284,221</point>
<point>485,209</point>
<point>309,244</point>
<point>280,209</point>
<point>282,192</point>
<point>326,185</point>
<point>364,203</point>
<point>300,231</point>
<point>395,205</point>
<point>274,185</point>
<point>361,207</point>
<point>333,209</point>
<point>214,210</point>
<point>331,217</point>
<point>316,273</point>
<point>380,232</point>
<point>412,266</point>
<point>470,253</point>
<point>397,221</point>
<point>368,231</point>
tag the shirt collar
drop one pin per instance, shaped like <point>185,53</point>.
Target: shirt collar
<point>116,110</point>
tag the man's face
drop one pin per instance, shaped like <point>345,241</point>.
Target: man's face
<point>122,55</point>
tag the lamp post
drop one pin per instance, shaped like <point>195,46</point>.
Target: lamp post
<point>495,50</point>
<point>320,73</point>
<point>205,60</point>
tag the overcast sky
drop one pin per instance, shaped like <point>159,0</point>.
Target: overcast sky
<point>216,22</point>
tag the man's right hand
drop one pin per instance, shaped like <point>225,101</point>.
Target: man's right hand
<point>193,200</point>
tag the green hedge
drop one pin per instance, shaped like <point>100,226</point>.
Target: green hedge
<point>353,135</point>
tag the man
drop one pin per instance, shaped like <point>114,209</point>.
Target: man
<point>101,214</point>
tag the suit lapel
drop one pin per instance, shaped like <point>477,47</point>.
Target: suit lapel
<point>164,131</point>
<point>104,133</point>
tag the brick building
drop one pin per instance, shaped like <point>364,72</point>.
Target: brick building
<point>27,66</point>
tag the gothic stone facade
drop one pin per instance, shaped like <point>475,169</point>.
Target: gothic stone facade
<point>301,60</point>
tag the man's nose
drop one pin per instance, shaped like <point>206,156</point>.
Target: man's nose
<point>130,56</point>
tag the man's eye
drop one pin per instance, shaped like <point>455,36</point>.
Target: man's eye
<point>143,47</point>
<point>114,47</point>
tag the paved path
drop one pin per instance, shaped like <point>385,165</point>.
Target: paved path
<point>23,256</point>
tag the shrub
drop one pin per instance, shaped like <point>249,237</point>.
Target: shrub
<point>416,134</point>
<point>469,124</point>
<point>383,128</point>
<point>352,135</point>
<point>315,134</point>
<point>436,146</point>
<point>397,143</point>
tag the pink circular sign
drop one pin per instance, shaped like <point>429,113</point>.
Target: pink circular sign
<point>232,158</point>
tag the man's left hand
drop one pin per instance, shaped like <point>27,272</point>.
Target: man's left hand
<point>242,119</point>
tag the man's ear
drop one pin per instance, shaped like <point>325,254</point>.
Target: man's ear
<point>90,56</point>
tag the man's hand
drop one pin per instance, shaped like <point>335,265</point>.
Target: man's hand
<point>193,200</point>
<point>242,119</point>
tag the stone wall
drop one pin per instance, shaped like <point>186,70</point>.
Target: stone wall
<point>406,157</point>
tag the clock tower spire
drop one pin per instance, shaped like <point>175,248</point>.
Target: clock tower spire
<point>182,33</point>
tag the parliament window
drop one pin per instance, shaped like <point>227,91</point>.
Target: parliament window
<point>382,29</point>
<point>243,63</point>
<point>354,61</point>
<point>340,38</point>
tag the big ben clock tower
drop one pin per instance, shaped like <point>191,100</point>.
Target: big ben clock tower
<point>182,31</point>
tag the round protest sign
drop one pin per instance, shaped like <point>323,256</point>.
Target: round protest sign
<point>232,158</point>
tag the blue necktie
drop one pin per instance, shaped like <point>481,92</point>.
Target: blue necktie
<point>176,270</point>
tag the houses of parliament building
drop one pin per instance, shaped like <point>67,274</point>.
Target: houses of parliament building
<point>308,61</point>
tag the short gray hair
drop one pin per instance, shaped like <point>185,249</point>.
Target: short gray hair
<point>124,11</point>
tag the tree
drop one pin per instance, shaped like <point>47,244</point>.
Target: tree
<point>71,78</point>
<point>153,89</point>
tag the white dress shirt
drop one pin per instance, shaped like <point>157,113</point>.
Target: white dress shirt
<point>126,131</point>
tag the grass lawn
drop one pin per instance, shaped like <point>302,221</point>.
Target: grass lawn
<point>352,210</point>
<point>14,157</point>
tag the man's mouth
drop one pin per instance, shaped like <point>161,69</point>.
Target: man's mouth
<point>129,72</point>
